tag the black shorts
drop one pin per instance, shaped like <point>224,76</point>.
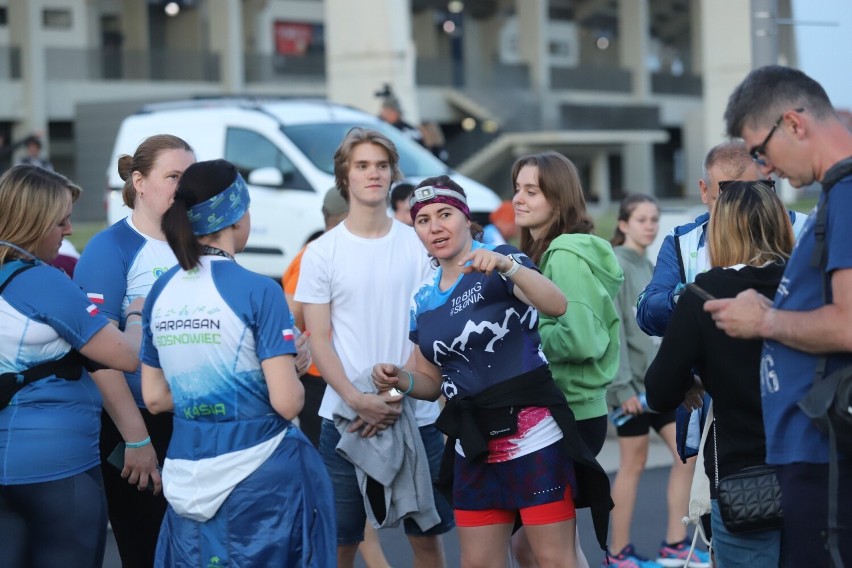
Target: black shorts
<point>641,424</point>
<point>593,432</point>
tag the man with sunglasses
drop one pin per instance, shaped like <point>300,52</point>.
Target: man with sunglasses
<point>683,254</point>
<point>792,131</point>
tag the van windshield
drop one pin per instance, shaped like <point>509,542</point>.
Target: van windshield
<point>319,141</point>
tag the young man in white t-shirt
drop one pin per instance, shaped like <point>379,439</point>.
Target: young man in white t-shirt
<point>356,283</point>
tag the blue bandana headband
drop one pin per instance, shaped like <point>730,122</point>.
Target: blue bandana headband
<point>220,211</point>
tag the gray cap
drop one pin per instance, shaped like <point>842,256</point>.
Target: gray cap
<point>334,204</point>
<point>392,102</point>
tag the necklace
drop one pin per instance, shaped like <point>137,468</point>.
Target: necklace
<point>207,249</point>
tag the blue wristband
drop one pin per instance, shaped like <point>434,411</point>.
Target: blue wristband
<point>134,445</point>
<point>410,381</point>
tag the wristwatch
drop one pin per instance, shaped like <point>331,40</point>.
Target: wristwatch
<point>515,266</point>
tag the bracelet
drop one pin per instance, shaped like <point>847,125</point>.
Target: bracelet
<point>134,445</point>
<point>137,322</point>
<point>515,266</point>
<point>410,381</point>
<point>133,313</point>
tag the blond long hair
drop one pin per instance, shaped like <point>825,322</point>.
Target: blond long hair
<point>33,201</point>
<point>749,225</point>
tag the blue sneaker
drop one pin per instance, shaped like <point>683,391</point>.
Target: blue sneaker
<point>628,558</point>
<point>675,556</point>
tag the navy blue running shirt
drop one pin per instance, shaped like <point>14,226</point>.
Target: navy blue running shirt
<point>477,331</point>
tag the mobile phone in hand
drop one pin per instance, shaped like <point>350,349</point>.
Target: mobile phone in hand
<point>700,292</point>
<point>116,460</point>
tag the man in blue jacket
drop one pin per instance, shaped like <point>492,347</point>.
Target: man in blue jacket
<point>683,254</point>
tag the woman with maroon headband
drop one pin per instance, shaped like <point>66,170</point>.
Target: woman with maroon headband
<point>518,450</point>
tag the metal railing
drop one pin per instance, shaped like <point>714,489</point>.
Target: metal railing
<point>666,84</point>
<point>444,72</point>
<point>265,68</point>
<point>610,79</point>
<point>143,65</point>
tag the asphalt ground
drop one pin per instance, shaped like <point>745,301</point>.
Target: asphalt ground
<point>649,522</point>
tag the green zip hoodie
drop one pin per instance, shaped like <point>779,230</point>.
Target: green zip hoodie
<point>582,345</point>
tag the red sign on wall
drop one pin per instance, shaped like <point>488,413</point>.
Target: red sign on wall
<point>292,38</point>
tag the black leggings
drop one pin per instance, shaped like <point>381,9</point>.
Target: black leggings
<point>135,515</point>
<point>54,523</point>
<point>593,432</point>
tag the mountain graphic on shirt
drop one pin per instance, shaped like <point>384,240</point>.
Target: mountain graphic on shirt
<point>499,330</point>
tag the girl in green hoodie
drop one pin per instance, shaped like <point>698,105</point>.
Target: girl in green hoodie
<point>582,345</point>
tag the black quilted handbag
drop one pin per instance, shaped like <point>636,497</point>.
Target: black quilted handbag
<point>750,500</point>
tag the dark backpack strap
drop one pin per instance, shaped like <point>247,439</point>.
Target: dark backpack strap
<point>819,259</point>
<point>11,269</point>
<point>68,367</point>
<point>819,256</point>
<point>833,494</point>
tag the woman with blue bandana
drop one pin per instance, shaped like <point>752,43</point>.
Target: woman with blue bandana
<point>244,485</point>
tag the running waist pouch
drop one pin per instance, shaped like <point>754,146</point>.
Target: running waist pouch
<point>69,367</point>
<point>497,422</point>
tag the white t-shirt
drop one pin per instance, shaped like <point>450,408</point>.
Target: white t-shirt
<point>368,284</point>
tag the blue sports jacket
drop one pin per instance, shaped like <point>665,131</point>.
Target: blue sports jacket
<point>677,266</point>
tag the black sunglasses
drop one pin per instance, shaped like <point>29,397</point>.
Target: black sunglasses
<point>759,151</point>
<point>765,183</point>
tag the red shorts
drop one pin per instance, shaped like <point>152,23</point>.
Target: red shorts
<point>546,514</point>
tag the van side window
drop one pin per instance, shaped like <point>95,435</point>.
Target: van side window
<point>249,151</point>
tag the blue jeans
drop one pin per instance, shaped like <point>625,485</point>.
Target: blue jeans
<point>744,550</point>
<point>348,500</point>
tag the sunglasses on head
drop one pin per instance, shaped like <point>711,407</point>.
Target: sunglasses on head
<point>767,183</point>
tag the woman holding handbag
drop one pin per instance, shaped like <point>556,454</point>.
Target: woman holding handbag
<point>750,239</point>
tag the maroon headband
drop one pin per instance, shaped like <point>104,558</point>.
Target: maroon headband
<point>428,195</point>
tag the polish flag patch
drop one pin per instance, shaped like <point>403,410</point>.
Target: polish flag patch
<point>96,298</point>
<point>93,310</point>
<point>288,334</point>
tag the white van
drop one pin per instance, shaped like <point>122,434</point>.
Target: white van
<point>284,148</point>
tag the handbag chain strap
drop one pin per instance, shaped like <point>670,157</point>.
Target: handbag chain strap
<point>715,456</point>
